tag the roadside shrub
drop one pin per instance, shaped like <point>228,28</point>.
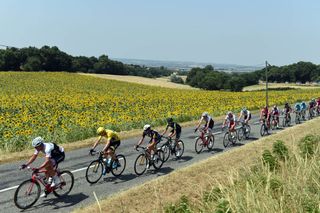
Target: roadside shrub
<point>183,206</point>
<point>308,145</point>
<point>280,150</point>
<point>269,160</point>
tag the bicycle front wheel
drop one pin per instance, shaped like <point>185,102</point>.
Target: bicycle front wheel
<point>158,159</point>
<point>179,149</point>
<point>198,145</point>
<point>210,143</point>
<point>27,194</point>
<point>166,150</point>
<point>94,171</point>
<point>226,140</point>
<point>140,165</point>
<point>241,133</point>
<point>66,184</point>
<point>247,131</point>
<point>263,130</point>
<point>118,165</point>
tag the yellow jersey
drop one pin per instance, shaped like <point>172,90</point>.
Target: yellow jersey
<point>111,135</point>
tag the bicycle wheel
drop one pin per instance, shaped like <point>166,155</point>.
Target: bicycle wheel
<point>297,119</point>
<point>198,146</point>
<point>66,185</point>
<point>226,140</point>
<point>247,131</point>
<point>120,165</point>
<point>158,159</point>
<point>284,122</point>
<point>140,165</point>
<point>94,171</point>
<point>210,143</point>
<point>27,194</point>
<point>241,133</point>
<point>263,130</point>
<point>166,150</point>
<point>179,149</point>
<point>233,137</point>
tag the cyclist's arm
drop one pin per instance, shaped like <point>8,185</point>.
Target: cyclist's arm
<point>200,121</point>
<point>96,143</point>
<point>224,122</point>
<point>45,163</point>
<point>140,141</point>
<point>33,157</point>
<point>165,131</point>
<point>107,145</point>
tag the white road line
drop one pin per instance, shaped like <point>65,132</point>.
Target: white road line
<point>14,187</point>
<point>7,189</point>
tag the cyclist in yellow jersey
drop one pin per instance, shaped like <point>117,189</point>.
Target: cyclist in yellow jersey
<point>113,142</point>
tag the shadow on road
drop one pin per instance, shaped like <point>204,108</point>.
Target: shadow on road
<point>215,150</point>
<point>120,179</point>
<point>60,203</point>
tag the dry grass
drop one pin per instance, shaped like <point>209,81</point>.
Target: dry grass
<point>279,85</point>
<point>192,181</point>
<point>160,82</point>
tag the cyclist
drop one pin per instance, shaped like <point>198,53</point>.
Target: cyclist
<point>113,142</point>
<point>265,115</point>
<point>318,105</point>
<point>231,120</point>
<point>175,130</point>
<point>54,154</point>
<point>275,114</point>
<point>246,115</point>
<point>303,107</point>
<point>312,105</point>
<point>287,110</point>
<point>155,139</point>
<point>208,125</point>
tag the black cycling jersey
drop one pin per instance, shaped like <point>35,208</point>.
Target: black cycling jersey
<point>175,127</point>
<point>152,134</point>
<point>211,123</point>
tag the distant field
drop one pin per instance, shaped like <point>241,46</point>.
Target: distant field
<point>279,85</point>
<point>161,82</point>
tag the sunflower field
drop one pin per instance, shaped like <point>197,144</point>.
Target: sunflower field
<point>66,107</point>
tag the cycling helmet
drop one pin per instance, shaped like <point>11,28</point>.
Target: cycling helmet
<point>169,120</point>
<point>286,104</point>
<point>37,141</point>
<point>101,130</point>
<point>229,114</point>
<point>205,114</point>
<point>244,110</point>
<point>146,127</point>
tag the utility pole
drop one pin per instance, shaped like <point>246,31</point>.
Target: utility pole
<point>267,97</point>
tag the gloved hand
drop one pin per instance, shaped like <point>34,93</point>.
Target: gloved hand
<point>23,166</point>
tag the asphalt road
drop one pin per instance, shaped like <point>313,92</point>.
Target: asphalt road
<point>77,161</point>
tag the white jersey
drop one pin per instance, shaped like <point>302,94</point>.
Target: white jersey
<point>48,147</point>
<point>231,119</point>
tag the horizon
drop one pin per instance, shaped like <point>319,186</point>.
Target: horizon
<point>243,33</point>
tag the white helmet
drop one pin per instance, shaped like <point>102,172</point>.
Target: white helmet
<point>205,114</point>
<point>37,141</point>
<point>146,127</point>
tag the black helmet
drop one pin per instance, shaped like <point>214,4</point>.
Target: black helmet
<point>169,120</point>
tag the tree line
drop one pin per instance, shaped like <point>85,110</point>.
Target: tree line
<point>52,59</point>
<point>210,79</point>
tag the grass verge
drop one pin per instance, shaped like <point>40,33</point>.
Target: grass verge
<point>189,185</point>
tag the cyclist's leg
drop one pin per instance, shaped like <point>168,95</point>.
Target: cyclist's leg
<point>151,147</point>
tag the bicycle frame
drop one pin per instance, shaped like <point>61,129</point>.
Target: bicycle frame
<point>202,136</point>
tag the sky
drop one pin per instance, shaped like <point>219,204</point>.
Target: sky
<point>244,32</point>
